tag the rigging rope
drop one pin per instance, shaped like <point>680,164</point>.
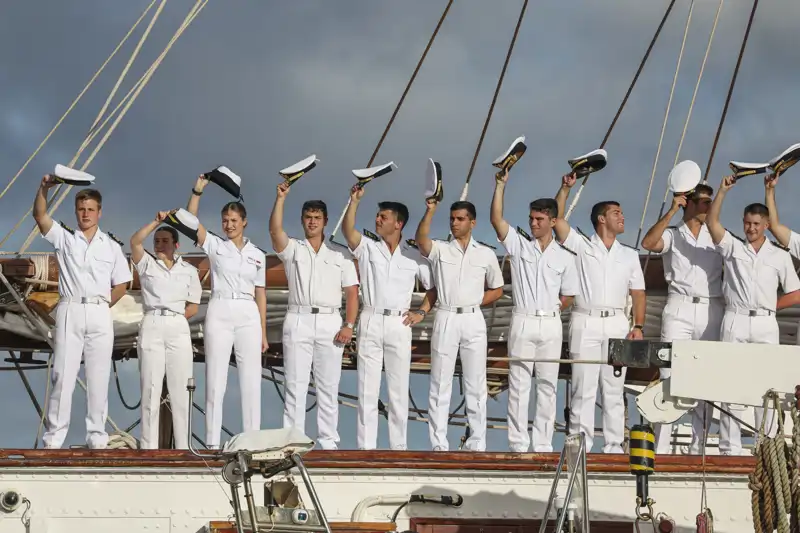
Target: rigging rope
<point>730,89</point>
<point>664,122</point>
<point>77,99</point>
<point>398,106</point>
<point>497,88</point>
<point>624,101</point>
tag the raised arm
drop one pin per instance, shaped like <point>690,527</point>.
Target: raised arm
<point>654,238</point>
<point>712,219</point>
<point>351,235</point>
<point>194,206</point>
<point>499,224</point>
<point>43,220</point>
<point>424,242</point>
<point>137,240</point>
<point>781,232</point>
<point>280,240</point>
<point>562,226</point>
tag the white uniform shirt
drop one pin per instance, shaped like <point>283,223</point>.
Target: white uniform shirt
<point>388,279</point>
<point>233,270</point>
<point>537,278</point>
<point>317,278</point>
<point>168,288</point>
<point>87,269</point>
<point>459,275</point>
<point>752,279</point>
<point>605,275</point>
<point>692,267</point>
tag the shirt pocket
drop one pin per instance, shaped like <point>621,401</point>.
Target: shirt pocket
<point>404,275</point>
<point>477,266</point>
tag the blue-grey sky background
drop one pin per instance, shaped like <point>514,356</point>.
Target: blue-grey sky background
<point>257,86</point>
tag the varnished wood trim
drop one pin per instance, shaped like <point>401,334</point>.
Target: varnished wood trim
<point>376,459</point>
<point>220,526</point>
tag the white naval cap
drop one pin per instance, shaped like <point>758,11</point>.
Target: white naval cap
<point>365,175</point>
<point>684,177</point>
<point>71,176</point>
<point>183,221</point>
<point>225,178</point>
<point>787,159</point>
<point>511,155</point>
<point>588,163</point>
<point>434,189</point>
<point>741,169</point>
<point>295,172</point>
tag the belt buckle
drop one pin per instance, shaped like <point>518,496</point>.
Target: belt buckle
<point>459,310</point>
<point>753,312</point>
<point>315,310</point>
<point>386,312</point>
<point>696,299</point>
<point>604,313</point>
<point>84,300</point>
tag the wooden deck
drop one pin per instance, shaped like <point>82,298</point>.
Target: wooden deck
<point>376,459</point>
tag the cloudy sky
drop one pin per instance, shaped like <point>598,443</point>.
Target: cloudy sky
<point>257,86</point>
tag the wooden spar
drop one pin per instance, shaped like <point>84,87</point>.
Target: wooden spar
<point>25,268</point>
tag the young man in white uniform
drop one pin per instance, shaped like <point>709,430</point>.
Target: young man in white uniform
<point>93,274</point>
<point>785,237</point>
<point>389,269</point>
<point>607,272</point>
<point>693,270</point>
<point>753,270</point>
<point>460,269</point>
<point>171,295</point>
<point>313,333</point>
<point>543,281</point>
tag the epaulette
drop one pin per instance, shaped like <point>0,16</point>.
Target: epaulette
<point>580,232</point>
<point>412,243</point>
<point>486,245</point>
<point>260,249</point>
<point>672,227</point>
<point>523,233</point>
<point>151,254</point>
<point>736,237</point>
<point>779,245</point>
<point>115,239</point>
<point>67,227</point>
<point>564,247</point>
<point>368,233</point>
<point>214,234</point>
<point>628,246</point>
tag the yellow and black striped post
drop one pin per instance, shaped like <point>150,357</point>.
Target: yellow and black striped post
<point>642,458</point>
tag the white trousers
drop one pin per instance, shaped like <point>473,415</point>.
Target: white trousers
<point>232,325</point>
<point>165,346</point>
<point>383,340</point>
<point>308,344</point>
<point>458,335</point>
<point>684,320</point>
<point>753,330</point>
<point>81,330</point>
<point>540,338</point>
<point>588,340</point>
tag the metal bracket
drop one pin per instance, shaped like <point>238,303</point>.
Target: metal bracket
<point>639,353</point>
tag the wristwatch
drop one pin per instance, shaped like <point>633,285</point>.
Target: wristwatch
<point>349,325</point>
<point>196,192</point>
<point>638,326</point>
<point>421,312</point>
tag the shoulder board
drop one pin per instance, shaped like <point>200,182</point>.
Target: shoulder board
<point>628,246</point>
<point>368,233</point>
<point>412,243</point>
<point>672,227</point>
<point>580,232</point>
<point>735,236</point>
<point>214,234</point>
<point>337,246</point>
<point>523,233</point>
<point>564,247</point>
<point>151,254</point>
<point>779,245</point>
<point>487,245</point>
<point>67,227</point>
<point>260,249</point>
<point>115,239</point>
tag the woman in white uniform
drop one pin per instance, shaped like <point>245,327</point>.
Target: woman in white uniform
<point>171,295</point>
<point>236,316</point>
